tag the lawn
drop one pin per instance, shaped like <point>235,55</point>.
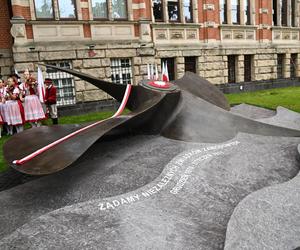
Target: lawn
<point>286,97</point>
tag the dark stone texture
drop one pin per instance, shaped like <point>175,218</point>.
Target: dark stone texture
<point>284,118</point>
<point>189,207</point>
<point>267,219</point>
<point>106,170</point>
<point>252,112</point>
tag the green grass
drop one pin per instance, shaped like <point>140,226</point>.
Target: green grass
<point>3,165</point>
<point>82,118</point>
<point>89,117</point>
<point>286,97</point>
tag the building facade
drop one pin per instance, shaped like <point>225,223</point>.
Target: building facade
<point>222,40</point>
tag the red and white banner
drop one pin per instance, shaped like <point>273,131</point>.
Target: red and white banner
<point>41,86</point>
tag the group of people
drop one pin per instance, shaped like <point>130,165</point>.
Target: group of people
<point>20,103</point>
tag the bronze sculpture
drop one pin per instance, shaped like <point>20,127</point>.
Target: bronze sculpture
<point>191,109</point>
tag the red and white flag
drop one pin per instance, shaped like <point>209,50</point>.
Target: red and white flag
<point>156,73</point>
<point>148,72</point>
<point>41,86</point>
<point>165,74</point>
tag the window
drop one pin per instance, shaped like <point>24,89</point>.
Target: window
<point>223,11</point>
<point>171,67</point>
<point>187,11</point>
<point>235,12</point>
<point>173,10</point>
<point>64,83</point>
<point>231,69</point>
<point>99,8</point>
<point>247,19</point>
<point>157,10</point>
<point>119,9</point>
<point>121,70</point>
<point>284,14</point>
<point>275,20</point>
<point>67,9</point>
<point>248,68</point>
<point>280,59</point>
<point>293,65</point>
<point>43,9</point>
<point>293,13</point>
<point>190,64</point>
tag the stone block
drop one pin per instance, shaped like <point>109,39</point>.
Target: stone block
<point>138,79</point>
<point>268,51</point>
<point>219,80</point>
<point>148,60</point>
<point>79,96</point>
<point>26,57</point>
<point>136,70</point>
<point>201,73</point>
<point>137,60</point>
<point>80,85</point>
<point>57,55</point>
<point>98,53</point>
<point>20,67</point>
<point>197,52</point>
<point>5,62</point>
<point>265,56</point>
<point>123,44</point>
<point>5,70</point>
<point>105,62</point>
<point>168,53</point>
<point>180,68</point>
<point>146,52</point>
<point>108,72</point>
<point>158,62</point>
<point>88,86</point>
<point>261,63</point>
<point>213,59</point>
<point>212,66</point>
<point>143,70</point>
<point>214,73</point>
<point>99,73</point>
<point>120,53</point>
<point>179,60</point>
<point>77,64</point>
<point>94,95</point>
<point>263,70</point>
<point>91,63</point>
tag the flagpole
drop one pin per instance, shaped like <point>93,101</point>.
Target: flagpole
<point>148,71</point>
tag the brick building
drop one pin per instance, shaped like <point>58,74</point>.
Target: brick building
<point>6,40</point>
<point>221,40</point>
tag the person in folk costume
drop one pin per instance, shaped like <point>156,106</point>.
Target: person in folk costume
<point>13,108</point>
<point>34,112</point>
<point>2,104</point>
<point>50,100</point>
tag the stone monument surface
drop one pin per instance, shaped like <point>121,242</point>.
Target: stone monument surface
<point>209,179</point>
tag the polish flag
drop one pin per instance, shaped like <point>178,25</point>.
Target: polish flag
<point>165,74</point>
<point>148,72</point>
<point>41,86</point>
<point>156,73</point>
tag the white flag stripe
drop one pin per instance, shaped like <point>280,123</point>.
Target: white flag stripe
<point>41,86</point>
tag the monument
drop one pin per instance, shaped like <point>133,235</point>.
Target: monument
<point>179,171</point>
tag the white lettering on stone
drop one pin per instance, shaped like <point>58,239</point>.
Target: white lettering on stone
<point>173,168</point>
